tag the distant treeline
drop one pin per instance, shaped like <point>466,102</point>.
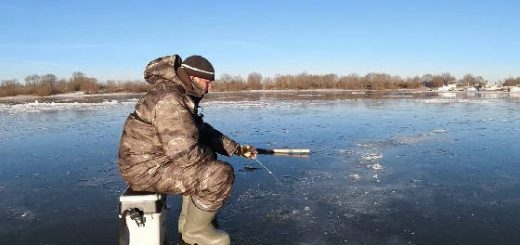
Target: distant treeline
<point>49,84</point>
<point>370,81</point>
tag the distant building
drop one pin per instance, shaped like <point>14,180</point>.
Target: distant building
<point>492,87</point>
<point>449,87</point>
<point>514,89</point>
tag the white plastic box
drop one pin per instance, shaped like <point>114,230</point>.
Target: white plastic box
<point>142,218</point>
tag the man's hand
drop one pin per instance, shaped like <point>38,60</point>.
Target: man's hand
<point>247,151</point>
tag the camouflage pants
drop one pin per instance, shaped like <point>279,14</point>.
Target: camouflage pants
<point>209,183</point>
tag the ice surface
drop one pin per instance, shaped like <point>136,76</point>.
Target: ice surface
<point>271,104</point>
<point>382,171</point>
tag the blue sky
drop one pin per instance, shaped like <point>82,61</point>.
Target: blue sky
<point>116,39</point>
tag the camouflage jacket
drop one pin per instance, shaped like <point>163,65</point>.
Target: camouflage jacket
<point>165,128</point>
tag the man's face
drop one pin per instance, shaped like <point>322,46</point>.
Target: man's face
<point>203,83</point>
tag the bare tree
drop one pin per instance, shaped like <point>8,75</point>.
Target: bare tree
<point>49,83</point>
<point>411,82</point>
<point>447,78</point>
<point>511,81</point>
<point>9,87</point>
<point>436,81</point>
<point>254,81</point>
<point>471,81</point>
<point>80,82</point>
<point>426,80</point>
<point>352,81</point>
<point>41,85</point>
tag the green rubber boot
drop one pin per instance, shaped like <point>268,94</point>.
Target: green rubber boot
<point>199,230</point>
<point>182,216</point>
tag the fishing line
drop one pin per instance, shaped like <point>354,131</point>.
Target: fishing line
<point>266,169</point>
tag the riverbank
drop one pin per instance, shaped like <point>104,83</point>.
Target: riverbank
<point>80,97</point>
<point>322,94</point>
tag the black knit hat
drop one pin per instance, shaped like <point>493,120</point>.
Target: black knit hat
<point>199,66</point>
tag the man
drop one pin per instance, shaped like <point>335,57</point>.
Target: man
<point>167,148</point>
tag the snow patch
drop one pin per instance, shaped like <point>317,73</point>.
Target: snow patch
<point>37,107</point>
<point>355,176</point>
<point>375,166</point>
<point>445,101</point>
<point>372,156</point>
<point>440,131</point>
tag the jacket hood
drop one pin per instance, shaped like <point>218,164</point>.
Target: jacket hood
<point>163,67</point>
<point>169,67</point>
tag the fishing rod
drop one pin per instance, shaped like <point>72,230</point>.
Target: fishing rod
<point>284,152</point>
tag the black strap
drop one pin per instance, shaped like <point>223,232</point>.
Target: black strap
<point>136,215</point>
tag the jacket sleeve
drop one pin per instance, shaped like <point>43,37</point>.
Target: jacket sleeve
<point>217,141</point>
<point>179,134</point>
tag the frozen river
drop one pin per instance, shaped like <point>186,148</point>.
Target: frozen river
<point>394,169</point>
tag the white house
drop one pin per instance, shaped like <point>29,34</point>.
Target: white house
<point>514,89</point>
<point>449,87</point>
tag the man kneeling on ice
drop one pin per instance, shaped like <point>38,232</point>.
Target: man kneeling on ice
<point>167,148</point>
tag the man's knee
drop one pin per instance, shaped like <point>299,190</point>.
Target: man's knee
<point>226,171</point>
<point>217,179</point>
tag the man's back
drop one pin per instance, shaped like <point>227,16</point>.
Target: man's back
<point>142,152</point>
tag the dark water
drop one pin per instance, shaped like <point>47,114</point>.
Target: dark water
<point>384,170</point>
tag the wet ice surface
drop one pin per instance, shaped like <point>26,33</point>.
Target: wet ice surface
<point>434,170</point>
